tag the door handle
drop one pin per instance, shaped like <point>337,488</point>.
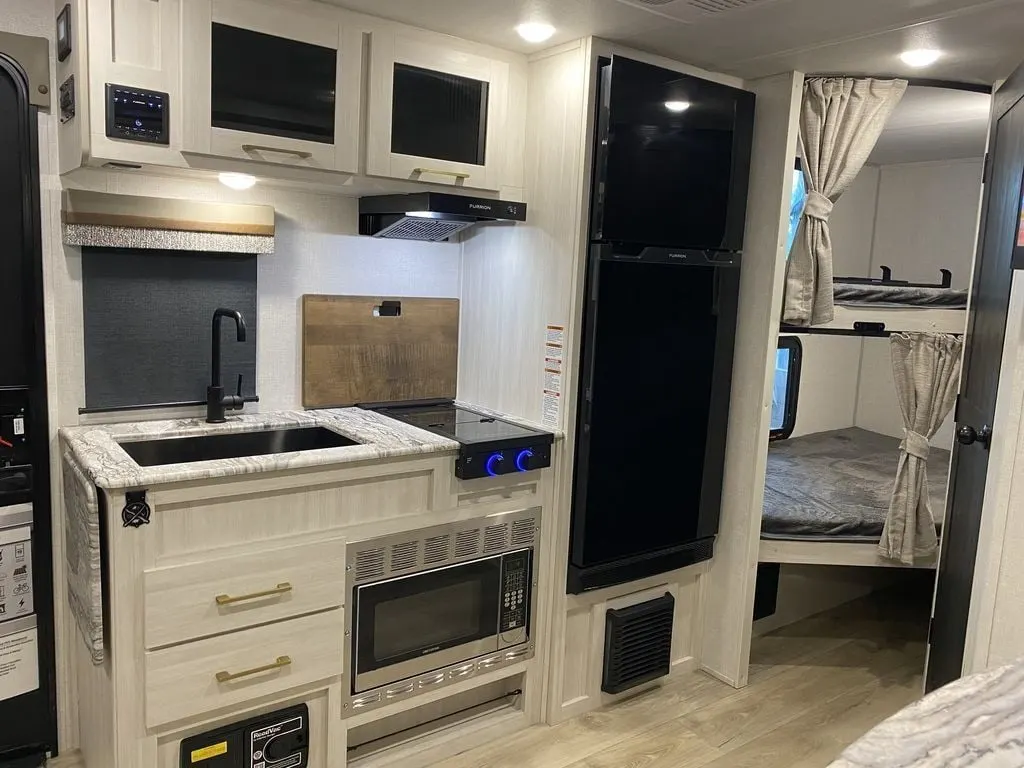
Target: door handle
<point>279,663</point>
<point>453,174</point>
<point>280,589</point>
<point>968,435</point>
<point>300,153</point>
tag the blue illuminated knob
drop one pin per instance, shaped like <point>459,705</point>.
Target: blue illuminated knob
<point>493,464</point>
<point>523,460</point>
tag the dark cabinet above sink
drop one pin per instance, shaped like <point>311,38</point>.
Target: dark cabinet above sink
<point>232,445</point>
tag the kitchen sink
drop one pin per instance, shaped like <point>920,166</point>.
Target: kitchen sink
<point>232,445</point>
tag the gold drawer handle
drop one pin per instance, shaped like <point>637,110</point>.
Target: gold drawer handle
<point>227,677</point>
<point>281,589</point>
<point>299,153</point>
<point>453,174</point>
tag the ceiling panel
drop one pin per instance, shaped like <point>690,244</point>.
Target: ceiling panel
<point>934,124</point>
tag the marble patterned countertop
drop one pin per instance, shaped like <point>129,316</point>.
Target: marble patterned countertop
<point>97,451</point>
<point>976,721</point>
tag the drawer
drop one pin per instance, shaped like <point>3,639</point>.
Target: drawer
<point>188,602</point>
<point>224,671</point>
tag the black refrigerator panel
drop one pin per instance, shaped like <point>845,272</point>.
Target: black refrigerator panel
<point>28,717</point>
<point>672,159</point>
<point>654,403</point>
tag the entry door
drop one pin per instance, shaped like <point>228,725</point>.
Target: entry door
<point>1001,217</point>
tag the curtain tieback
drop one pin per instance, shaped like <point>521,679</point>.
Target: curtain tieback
<point>817,206</point>
<point>916,444</point>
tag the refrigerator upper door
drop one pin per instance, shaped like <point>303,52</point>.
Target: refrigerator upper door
<point>675,167</point>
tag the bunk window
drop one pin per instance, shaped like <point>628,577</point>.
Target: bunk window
<point>786,387</point>
<point>796,205</point>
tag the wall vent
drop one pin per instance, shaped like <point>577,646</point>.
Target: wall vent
<point>720,6</point>
<point>523,532</point>
<point>467,543</point>
<point>496,537</point>
<point>370,564</point>
<point>405,555</point>
<point>637,644</point>
<point>435,549</point>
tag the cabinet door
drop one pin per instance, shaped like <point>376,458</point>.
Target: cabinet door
<point>437,113</point>
<point>274,83</point>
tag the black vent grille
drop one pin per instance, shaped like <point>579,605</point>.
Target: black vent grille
<point>637,644</point>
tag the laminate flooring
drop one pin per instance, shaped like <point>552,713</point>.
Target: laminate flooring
<point>815,687</point>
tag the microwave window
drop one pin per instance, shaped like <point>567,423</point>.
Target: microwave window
<point>439,115</point>
<point>272,85</point>
<point>437,617</point>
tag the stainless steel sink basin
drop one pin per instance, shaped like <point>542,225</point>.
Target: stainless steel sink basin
<point>232,445</point>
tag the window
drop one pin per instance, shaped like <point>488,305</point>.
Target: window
<point>796,205</point>
<point>786,387</point>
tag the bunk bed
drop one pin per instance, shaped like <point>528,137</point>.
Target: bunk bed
<point>827,494</point>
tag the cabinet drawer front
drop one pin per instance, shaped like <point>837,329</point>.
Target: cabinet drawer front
<point>198,677</point>
<point>196,600</point>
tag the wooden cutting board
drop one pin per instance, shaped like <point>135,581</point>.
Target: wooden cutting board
<point>356,349</point>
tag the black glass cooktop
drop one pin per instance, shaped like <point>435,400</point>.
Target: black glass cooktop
<point>456,422</point>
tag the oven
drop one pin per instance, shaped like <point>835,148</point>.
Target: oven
<point>438,605</point>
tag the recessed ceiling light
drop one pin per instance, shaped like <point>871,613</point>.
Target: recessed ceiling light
<point>920,57</point>
<point>237,180</point>
<point>535,31</point>
<point>677,106</point>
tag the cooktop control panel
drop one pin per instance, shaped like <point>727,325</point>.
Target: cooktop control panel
<point>473,463</point>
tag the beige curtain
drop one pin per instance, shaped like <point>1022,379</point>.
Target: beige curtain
<point>840,121</point>
<point>926,368</point>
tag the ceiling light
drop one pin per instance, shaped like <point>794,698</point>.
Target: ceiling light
<point>920,57</point>
<point>237,180</point>
<point>677,106</point>
<point>535,31</point>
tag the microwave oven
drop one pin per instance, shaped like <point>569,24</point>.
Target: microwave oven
<point>439,605</point>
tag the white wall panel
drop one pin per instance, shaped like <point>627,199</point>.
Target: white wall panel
<point>853,226</point>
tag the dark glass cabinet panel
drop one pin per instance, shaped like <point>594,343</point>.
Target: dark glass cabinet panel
<point>15,339</point>
<point>439,115</point>
<point>272,85</point>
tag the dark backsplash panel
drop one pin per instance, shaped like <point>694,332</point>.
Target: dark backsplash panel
<point>147,317</point>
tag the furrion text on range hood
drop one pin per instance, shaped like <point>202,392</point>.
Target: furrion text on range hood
<point>433,216</point>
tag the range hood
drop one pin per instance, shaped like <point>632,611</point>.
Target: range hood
<point>432,216</point>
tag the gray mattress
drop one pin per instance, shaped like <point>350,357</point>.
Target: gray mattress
<point>865,294</point>
<point>835,486</point>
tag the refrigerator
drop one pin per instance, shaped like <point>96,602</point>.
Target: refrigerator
<point>28,713</point>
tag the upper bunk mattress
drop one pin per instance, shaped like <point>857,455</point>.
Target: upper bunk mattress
<point>867,294</point>
<point>836,486</point>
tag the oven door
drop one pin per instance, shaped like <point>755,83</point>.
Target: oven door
<point>414,624</point>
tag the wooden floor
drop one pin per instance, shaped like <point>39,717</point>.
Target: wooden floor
<point>815,687</point>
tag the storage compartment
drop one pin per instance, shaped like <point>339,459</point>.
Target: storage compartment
<point>197,600</point>
<point>225,671</point>
<point>436,113</point>
<point>273,83</point>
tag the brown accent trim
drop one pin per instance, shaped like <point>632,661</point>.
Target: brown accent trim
<point>130,221</point>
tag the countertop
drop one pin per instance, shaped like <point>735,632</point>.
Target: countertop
<point>976,721</point>
<point>97,451</point>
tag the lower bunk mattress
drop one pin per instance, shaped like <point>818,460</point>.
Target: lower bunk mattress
<point>836,486</point>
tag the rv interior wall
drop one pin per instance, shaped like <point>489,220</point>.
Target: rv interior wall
<point>731,578</point>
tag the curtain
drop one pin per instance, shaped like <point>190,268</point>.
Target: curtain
<point>841,118</point>
<point>926,368</point>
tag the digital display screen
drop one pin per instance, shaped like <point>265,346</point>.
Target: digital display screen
<point>137,115</point>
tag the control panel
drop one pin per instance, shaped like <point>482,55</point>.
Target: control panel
<point>277,740</point>
<point>15,448</point>
<point>515,593</point>
<point>492,463</point>
<point>135,114</point>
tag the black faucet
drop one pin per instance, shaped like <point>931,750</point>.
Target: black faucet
<point>216,401</point>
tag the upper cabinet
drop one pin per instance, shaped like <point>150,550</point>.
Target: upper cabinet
<point>276,83</point>
<point>440,111</point>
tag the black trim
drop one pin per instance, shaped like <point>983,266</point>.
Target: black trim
<point>638,567</point>
<point>796,356</point>
<point>32,717</point>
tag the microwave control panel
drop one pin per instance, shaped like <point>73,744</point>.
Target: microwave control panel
<point>515,592</point>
